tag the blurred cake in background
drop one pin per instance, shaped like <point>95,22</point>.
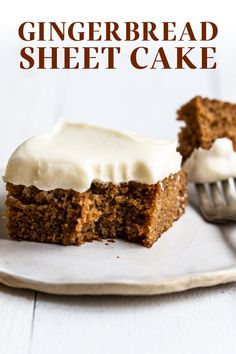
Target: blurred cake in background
<point>207,141</point>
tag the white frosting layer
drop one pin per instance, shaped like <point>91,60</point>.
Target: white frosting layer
<point>73,155</point>
<point>217,163</point>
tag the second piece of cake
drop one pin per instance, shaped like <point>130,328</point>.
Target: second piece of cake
<point>207,141</point>
<point>80,183</point>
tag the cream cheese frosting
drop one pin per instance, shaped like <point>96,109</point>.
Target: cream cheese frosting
<point>73,155</point>
<point>217,163</point>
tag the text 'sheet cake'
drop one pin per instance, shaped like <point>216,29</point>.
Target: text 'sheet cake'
<point>79,183</point>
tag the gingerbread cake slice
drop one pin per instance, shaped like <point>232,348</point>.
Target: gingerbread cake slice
<point>207,141</point>
<point>80,183</point>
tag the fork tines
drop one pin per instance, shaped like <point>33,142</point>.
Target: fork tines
<point>218,200</point>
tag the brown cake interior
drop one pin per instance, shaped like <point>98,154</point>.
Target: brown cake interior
<point>205,121</point>
<point>133,211</point>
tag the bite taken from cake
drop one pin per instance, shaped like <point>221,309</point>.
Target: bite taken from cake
<point>80,183</point>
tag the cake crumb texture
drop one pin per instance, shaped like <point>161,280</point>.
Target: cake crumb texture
<point>131,211</point>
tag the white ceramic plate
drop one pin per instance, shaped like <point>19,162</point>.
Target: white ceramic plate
<point>191,254</point>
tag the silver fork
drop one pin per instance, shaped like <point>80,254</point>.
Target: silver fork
<point>218,200</point>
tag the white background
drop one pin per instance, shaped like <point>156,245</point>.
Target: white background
<point>200,321</point>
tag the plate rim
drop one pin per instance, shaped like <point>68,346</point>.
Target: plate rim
<point>172,285</point>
